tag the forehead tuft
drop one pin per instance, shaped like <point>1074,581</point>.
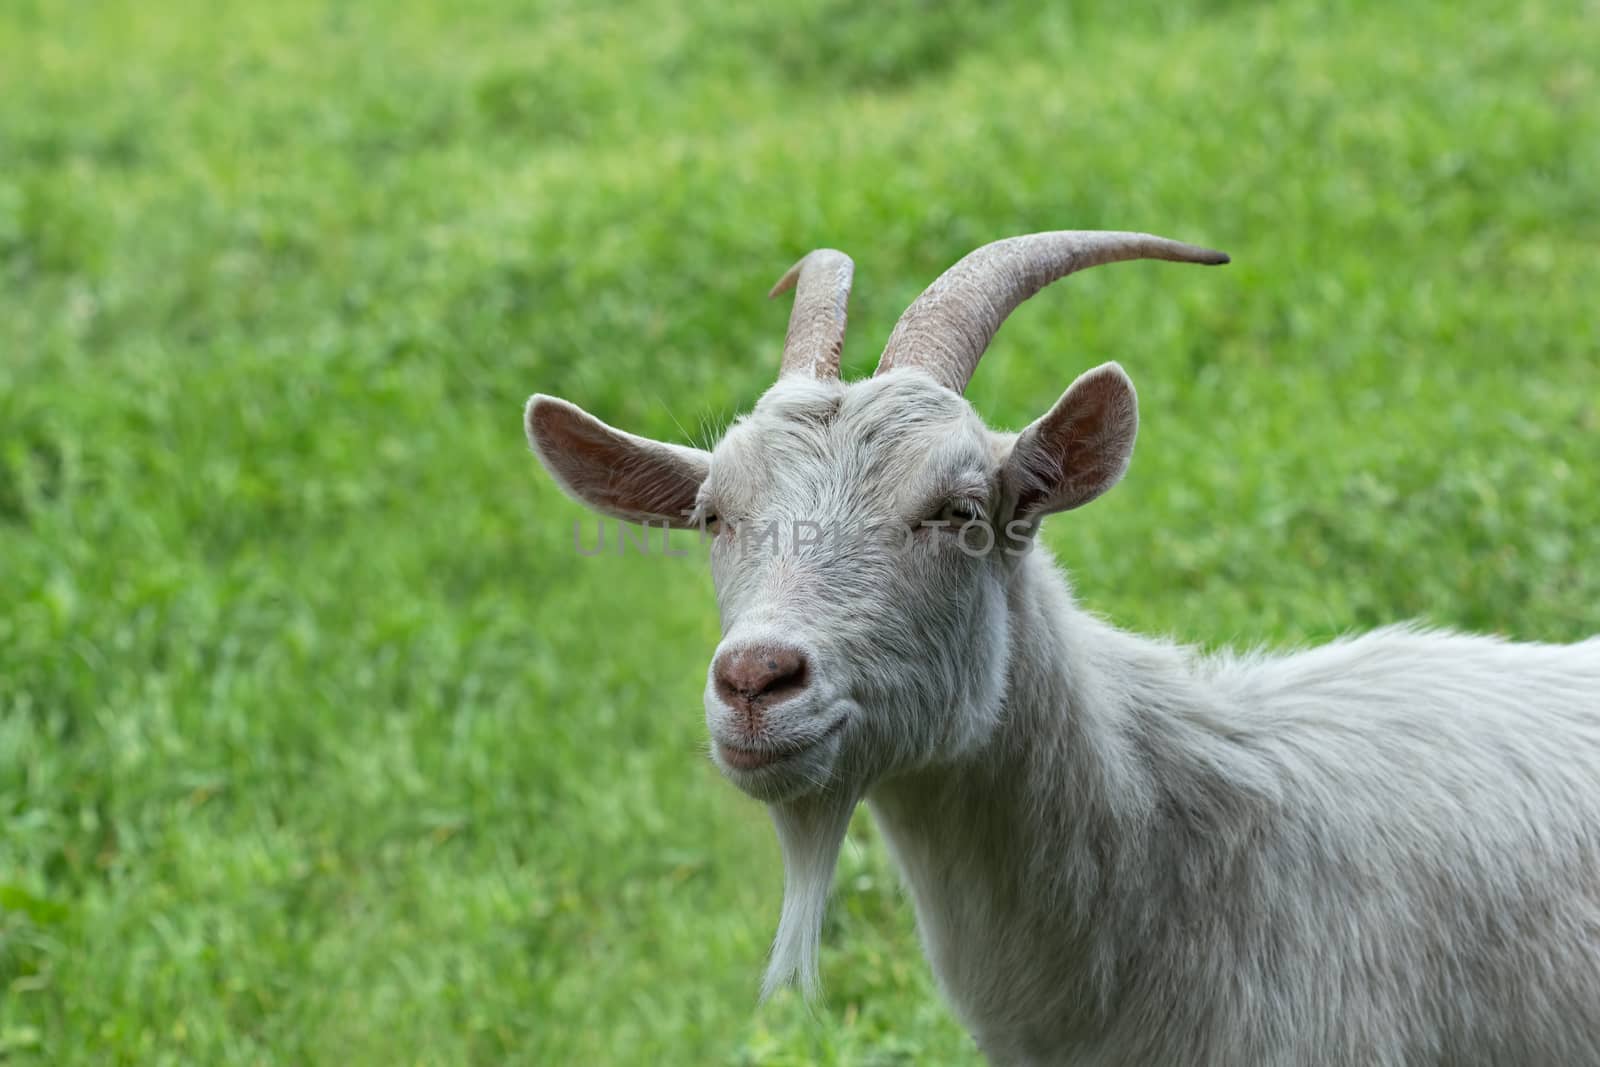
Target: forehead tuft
<point>900,421</point>
<point>897,405</point>
<point>907,398</point>
<point>906,414</point>
<point>804,401</point>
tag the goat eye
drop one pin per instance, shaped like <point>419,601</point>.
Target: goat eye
<point>959,513</point>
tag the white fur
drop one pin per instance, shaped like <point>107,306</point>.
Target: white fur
<point>1382,851</point>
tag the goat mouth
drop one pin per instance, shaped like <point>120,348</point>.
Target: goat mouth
<point>755,759</point>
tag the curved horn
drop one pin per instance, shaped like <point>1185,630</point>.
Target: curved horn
<point>816,325</point>
<point>947,328</point>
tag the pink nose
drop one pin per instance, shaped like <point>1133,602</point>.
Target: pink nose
<point>753,679</point>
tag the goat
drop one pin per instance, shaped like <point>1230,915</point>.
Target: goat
<point>1385,850</point>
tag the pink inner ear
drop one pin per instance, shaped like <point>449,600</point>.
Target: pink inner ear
<point>573,440</point>
<point>1082,447</point>
<point>622,475</point>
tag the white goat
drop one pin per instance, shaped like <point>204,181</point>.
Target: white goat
<point>1382,851</point>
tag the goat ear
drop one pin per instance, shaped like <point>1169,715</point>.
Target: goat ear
<point>615,473</point>
<point>1078,450</point>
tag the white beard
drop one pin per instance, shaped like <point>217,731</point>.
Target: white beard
<point>810,831</point>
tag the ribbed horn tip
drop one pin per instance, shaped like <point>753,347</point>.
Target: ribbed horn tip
<point>792,275</point>
<point>1183,252</point>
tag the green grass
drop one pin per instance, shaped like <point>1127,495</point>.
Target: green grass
<point>317,742</point>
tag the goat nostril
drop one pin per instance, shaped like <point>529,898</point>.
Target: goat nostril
<point>769,674</point>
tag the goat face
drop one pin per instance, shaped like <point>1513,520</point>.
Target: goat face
<point>863,533</point>
<point>860,579</point>
<point>861,537</point>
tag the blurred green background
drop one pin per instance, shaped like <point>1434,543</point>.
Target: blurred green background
<point>318,744</point>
